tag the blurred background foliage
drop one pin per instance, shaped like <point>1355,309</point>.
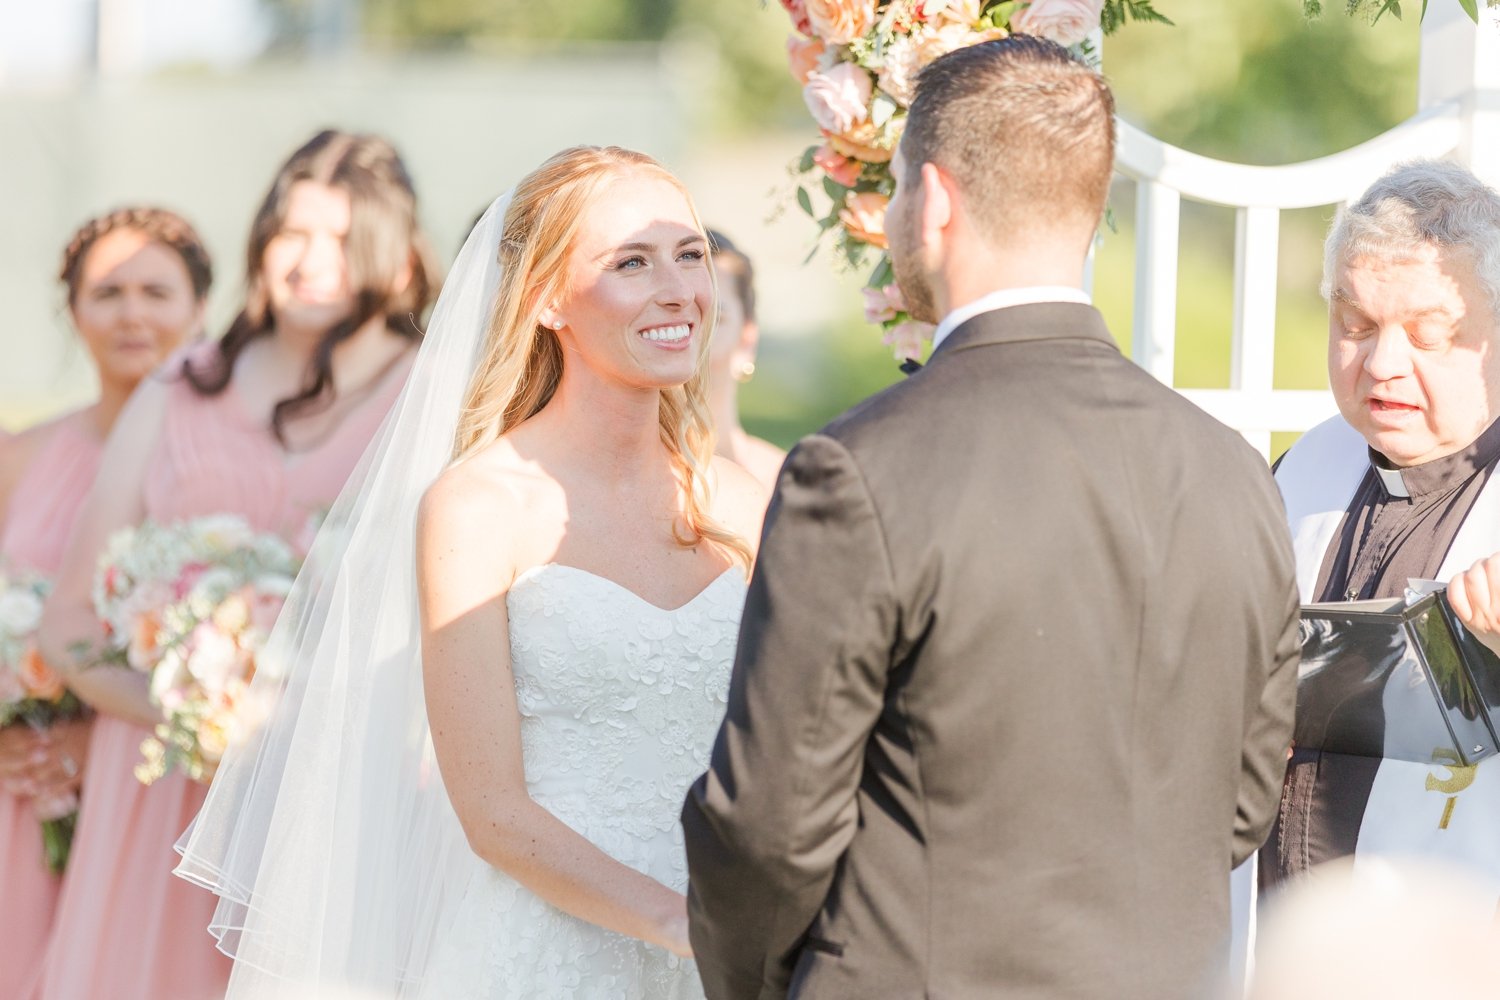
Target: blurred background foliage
<point>1253,81</point>
<point>1250,82</point>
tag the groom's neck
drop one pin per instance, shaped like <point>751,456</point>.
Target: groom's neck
<point>970,276</point>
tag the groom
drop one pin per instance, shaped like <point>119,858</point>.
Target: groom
<point>1015,680</point>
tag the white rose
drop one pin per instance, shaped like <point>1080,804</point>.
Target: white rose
<point>1066,22</point>
<point>213,658</point>
<point>273,585</point>
<point>839,97</point>
<point>898,77</point>
<point>222,532</point>
<point>20,611</point>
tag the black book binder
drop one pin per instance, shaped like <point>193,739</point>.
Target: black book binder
<point>1387,679</point>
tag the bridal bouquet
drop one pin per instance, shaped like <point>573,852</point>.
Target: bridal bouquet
<point>32,694</point>
<point>858,62</point>
<point>191,604</point>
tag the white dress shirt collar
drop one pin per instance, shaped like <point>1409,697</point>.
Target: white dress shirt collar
<point>1004,299</point>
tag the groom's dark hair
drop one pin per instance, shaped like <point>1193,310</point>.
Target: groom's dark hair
<point>1025,129</point>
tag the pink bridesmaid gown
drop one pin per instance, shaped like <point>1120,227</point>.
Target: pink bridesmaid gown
<point>37,524</point>
<point>126,928</point>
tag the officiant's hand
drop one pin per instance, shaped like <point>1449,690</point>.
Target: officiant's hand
<point>1475,597</point>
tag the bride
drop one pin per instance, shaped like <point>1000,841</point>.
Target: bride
<point>469,780</point>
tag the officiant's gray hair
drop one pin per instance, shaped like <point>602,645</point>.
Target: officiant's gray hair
<point>1416,205</point>
<point>1025,128</point>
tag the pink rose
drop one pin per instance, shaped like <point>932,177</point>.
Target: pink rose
<point>838,98</point>
<point>884,303</point>
<point>877,308</point>
<point>798,11</point>
<point>905,339</point>
<point>188,579</point>
<point>264,610</point>
<point>841,168</point>
<point>55,806</point>
<point>863,215</point>
<point>1066,22</point>
<point>803,55</point>
<point>839,22</point>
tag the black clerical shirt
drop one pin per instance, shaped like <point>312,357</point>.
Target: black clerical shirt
<point>1402,522</point>
<point>1399,526</point>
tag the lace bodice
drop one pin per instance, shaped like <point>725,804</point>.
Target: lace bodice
<point>620,701</point>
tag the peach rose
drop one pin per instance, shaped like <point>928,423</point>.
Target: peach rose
<point>863,215</point>
<point>803,55</point>
<point>951,37</point>
<point>1066,22</point>
<point>233,615</point>
<point>839,98</point>
<point>839,22</point>
<point>213,739</point>
<point>865,142</point>
<point>141,653</point>
<point>841,168</point>
<point>39,680</point>
<point>798,12</point>
<point>905,339</point>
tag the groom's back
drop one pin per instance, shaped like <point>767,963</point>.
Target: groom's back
<point>1093,579</point>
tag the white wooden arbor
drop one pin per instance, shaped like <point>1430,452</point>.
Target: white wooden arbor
<point>1458,116</point>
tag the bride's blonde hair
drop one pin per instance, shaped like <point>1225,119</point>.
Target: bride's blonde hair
<point>522,360</point>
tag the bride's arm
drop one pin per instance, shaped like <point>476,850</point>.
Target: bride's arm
<point>464,567</point>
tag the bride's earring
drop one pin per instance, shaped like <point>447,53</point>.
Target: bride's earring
<point>744,371</point>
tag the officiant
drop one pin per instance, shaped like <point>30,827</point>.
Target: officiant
<point>1400,486</point>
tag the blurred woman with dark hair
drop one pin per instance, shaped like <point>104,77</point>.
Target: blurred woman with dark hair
<point>136,280</point>
<point>731,361</point>
<point>265,423</point>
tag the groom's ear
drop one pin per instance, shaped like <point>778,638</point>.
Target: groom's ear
<point>938,203</point>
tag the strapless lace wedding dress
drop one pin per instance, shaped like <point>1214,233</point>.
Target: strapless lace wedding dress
<point>620,701</point>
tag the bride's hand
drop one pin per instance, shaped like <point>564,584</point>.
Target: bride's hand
<point>673,932</point>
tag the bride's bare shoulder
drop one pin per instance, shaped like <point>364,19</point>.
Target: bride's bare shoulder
<point>739,499</point>
<point>494,482</point>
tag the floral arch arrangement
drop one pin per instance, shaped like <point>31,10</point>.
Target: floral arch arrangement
<point>858,62</point>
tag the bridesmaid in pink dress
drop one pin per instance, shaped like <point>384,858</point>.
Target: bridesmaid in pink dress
<point>266,423</point>
<point>136,279</point>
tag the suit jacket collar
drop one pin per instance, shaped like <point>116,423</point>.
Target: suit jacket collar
<point>1016,324</point>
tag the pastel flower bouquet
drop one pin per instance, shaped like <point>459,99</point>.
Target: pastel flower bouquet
<point>858,62</point>
<point>191,604</point>
<point>32,694</point>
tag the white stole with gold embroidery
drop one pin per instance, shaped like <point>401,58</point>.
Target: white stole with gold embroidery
<point>1446,813</point>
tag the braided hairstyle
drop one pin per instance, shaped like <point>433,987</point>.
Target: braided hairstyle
<point>384,241</point>
<point>159,225</point>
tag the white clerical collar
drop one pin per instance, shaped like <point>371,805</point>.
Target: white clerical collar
<point>1004,299</point>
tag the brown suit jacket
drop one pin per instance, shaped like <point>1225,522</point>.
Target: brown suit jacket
<point>1013,693</point>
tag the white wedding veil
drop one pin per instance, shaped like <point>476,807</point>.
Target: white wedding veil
<point>327,833</point>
